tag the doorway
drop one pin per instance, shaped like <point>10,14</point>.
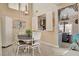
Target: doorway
<point>65,34</point>
<point>67,25</point>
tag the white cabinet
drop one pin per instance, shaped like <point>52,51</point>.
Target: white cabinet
<point>6,31</point>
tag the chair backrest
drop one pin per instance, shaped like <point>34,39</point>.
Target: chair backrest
<point>19,39</point>
<point>36,35</point>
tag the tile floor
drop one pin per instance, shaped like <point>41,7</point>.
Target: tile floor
<point>45,51</point>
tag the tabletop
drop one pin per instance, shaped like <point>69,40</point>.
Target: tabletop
<point>25,38</point>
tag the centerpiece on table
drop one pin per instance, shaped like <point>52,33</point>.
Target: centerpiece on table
<point>29,33</point>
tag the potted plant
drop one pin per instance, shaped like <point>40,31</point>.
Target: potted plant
<point>29,33</point>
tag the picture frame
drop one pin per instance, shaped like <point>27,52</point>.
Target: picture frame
<point>19,24</point>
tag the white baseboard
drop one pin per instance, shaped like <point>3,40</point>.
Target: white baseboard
<point>49,44</point>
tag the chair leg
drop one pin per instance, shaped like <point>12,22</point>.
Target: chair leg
<point>39,50</point>
<point>28,50</point>
<point>32,51</point>
<point>25,49</point>
<point>17,50</point>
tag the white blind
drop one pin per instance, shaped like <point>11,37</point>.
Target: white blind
<point>13,6</point>
<point>23,6</point>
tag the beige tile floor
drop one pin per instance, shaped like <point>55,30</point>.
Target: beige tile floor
<point>65,45</point>
<point>45,51</point>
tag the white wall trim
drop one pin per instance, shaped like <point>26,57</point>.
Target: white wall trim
<point>49,44</point>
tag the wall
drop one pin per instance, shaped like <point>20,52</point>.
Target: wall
<point>48,37</point>
<point>0,40</point>
<point>51,37</point>
<point>16,15</point>
<point>78,17</point>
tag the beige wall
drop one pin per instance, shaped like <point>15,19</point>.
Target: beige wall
<point>62,5</point>
<point>0,40</point>
<point>16,15</point>
<point>49,37</point>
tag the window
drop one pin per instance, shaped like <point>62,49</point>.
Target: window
<point>42,22</point>
<point>68,28</point>
<point>65,27</point>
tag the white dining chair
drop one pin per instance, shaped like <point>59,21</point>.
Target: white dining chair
<point>21,44</point>
<point>36,36</point>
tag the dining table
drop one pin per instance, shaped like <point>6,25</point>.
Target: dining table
<point>25,38</point>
